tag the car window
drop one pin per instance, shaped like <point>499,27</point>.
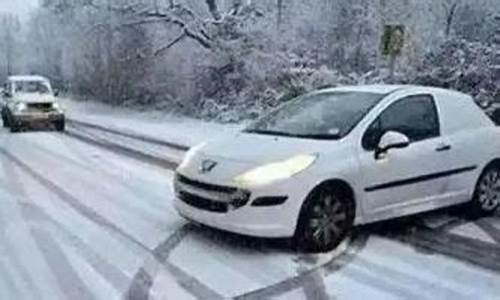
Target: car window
<point>318,115</point>
<point>414,116</point>
<point>31,87</point>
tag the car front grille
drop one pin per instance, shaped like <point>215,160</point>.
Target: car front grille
<point>206,186</point>
<point>203,203</point>
<point>209,197</point>
<point>43,107</point>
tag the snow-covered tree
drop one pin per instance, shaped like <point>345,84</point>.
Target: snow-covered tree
<point>212,57</point>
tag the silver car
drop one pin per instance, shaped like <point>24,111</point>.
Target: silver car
<point>30,100</point>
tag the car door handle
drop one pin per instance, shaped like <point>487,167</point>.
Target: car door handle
<point>443,147</point>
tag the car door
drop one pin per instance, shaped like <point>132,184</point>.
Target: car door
<point>407,180</point>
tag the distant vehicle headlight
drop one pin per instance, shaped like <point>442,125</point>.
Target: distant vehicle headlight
<point>20,106</point>
<point>276,171</point>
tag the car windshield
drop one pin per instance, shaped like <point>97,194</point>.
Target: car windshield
<point>326,115</point>
<point>31,87</point>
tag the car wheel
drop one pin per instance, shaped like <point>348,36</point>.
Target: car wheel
<point>325,220</point>
<point>14,127</point>
<point>60,125</point>
<point>487,193</point>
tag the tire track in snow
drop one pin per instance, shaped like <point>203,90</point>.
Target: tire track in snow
<point>476,252</point>
<point>68,282</point>
<point>429,239</point>
<point>196,288</point>
<point>490,230</point>
<point>313,277</point>
<point>143,280</point>
<point>86,165</point>
<point>135,136</point>
<point>140,289</point>
<point>120,149</point>
<point>72,201</point>
<point>117,278</point>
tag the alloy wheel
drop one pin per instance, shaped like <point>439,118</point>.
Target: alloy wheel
<point>326,224</point>
<point>489,190</point>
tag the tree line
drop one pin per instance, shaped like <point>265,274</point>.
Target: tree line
<point>215,57</point>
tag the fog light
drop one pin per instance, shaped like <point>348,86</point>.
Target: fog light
<point>239,199</point>
<point>269,201</point>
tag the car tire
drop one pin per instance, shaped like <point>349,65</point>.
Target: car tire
<point>486,198</point>
<point>14,127</point>
<point>5,122</point>
<point>325,220</point>
<point>60,125</point>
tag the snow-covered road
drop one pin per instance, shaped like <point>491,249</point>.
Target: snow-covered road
<point>81,221</point>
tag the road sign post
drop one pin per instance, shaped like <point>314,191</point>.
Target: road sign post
<point>496,41</point>
<point>496,59</point>
<point>392,45</point>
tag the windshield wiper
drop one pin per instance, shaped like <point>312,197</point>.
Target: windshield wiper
<point>269,132</point>
<point>321,136</point>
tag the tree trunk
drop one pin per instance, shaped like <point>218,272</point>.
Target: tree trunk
<point>280,13</point>
<point>214,10</point>
<point>109,55</point>
<point>450,18</point>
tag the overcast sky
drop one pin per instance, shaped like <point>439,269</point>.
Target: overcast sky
<point>19,7</point>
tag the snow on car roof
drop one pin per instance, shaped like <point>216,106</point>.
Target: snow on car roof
<point>375,88</point>
<point>27,78</point>
<point>390,88</point>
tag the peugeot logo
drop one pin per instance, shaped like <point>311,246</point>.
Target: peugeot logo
<point>207,166</point>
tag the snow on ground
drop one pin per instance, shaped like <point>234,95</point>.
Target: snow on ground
<point>157,124</point>
<point>83,222</point>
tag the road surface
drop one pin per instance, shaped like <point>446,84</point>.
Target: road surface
<point>82,220</point>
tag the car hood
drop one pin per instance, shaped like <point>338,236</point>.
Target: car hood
<point>34,98</point>
<point>239,153</point>
<point>257,148</point>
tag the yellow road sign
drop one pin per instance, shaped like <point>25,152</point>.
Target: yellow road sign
<point>393,40</point>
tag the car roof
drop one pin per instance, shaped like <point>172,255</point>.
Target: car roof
<point>27,78</point>
<point>385,89</point>
<point>374,88</point>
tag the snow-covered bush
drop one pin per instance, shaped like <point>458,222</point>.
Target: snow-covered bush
<point>232,60</point>
<point>461,65</point>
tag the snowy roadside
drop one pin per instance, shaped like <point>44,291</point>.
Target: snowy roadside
<point>154,124</point>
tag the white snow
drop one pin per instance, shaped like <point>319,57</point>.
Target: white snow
<point>78,216</point>
<point>473,231</point>
<point>157,124</point>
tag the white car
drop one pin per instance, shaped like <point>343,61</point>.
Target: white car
<point>29,100</point>
<point>336,158</point>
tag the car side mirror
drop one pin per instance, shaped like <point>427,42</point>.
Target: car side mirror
<point>56,93</point>
<point>391,140</point>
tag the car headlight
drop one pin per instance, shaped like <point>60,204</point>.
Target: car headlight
<point>190,155</point>
<point>56,106</point>
<point>276,171</point>
<point>20,106</point>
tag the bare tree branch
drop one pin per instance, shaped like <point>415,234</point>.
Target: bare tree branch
<point>170,45</point>
<point>200,38</point>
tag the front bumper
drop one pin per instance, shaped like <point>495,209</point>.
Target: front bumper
<point>273,221</point>
<point>38,117</point>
